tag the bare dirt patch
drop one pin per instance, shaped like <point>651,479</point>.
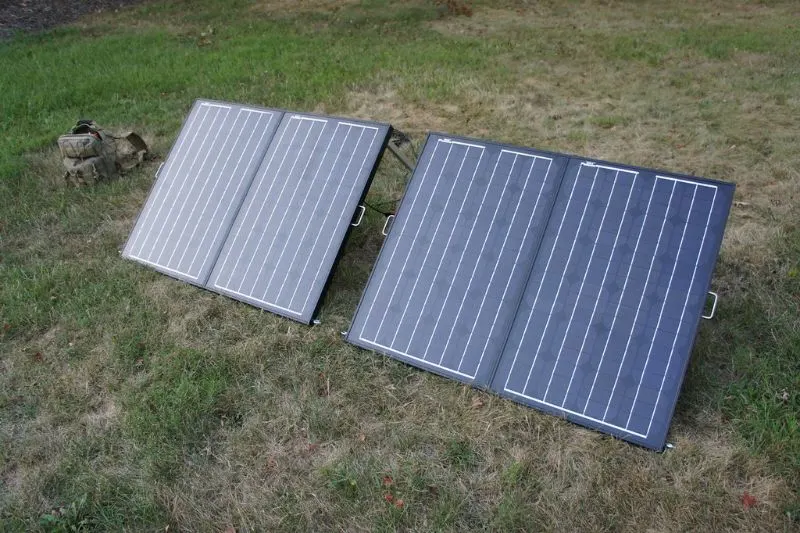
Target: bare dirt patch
<point>37,15</point>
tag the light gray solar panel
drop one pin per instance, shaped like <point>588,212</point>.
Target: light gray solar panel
<point>191,207</point>
<point>287,236</point>
<point>447,282</point>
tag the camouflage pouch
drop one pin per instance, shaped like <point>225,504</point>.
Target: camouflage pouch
<point>91,155</point>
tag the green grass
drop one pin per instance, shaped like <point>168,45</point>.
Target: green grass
<point>129,401</point>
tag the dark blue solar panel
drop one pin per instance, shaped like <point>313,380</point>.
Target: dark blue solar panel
<point>607,321</point>
<point>601,329</point>
<point>447,282</point>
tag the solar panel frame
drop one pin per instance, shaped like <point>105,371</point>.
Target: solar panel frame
<point>708,253</point>
<point>163,180</point>
<point>358,189</point>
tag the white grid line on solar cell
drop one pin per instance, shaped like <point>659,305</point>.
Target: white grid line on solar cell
<point>583,414</point>
<point>688,182</point>
<point>209,178</point>
<point>402,228</point>
<point>153,212</point>
<point>424,358</point>
<point>575,413</point>
<point>171,171</point>
<point>275,204</point>
<point>602,283</point>
<point>622,295</point>
<point>303,205</point>
<point>328,211</point>
<point>477,261</point>
<point>183,183</point>
<point>245,212</point>
<point>483,247</point>
<point>516,261</point>
<point>288,204</point>
<point>460,143</point>
<point>539,290</point>
<point>414,357</point>
<point>402,232</point>
<point>641,299</point>
<point>683,312</point>
<point>416,233</point>
<point>561,278</point>
<point>449,240</point>
<point>430,244</point>
<point>663,306</point>
<point>330,207</point>
<point>269,304</point>
<point>251,293</point>
<point>228,182</point>
<point>583,280</point>
<point>186,197</point>
<point>313,209</point>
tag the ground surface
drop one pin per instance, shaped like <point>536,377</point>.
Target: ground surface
<point>22,15</point>
<point>131,401</point>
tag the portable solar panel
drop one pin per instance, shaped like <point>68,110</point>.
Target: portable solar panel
<point>294,219</point>
<point>600,324</point>
<point>191,206</point>
<point>256,203</point>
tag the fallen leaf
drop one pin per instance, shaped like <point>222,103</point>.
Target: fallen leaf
<point>230,529</point>
<point>477,402</point>
<point>748,500</point>
<point>312,446</point>
<point>433,489</point>
<point>38,357</point>
<point>400,503</point>
<point>139,362</point>
<point>6,327</point>
<point>387,481</point>
<point>362,437</point>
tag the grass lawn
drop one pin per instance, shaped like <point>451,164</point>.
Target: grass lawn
<point>131,401</point>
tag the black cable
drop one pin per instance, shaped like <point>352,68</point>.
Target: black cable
<point>382,212</point>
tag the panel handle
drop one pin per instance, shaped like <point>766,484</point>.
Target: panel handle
<point>360,216</point>
<point>713,306</point>
<point>386,225</point>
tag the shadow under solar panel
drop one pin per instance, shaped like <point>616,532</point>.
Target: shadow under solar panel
<point>570,285</point>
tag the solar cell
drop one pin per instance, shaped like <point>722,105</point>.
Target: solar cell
<point>204,178</point>
<point>446,283</point>
<point>570,285</point>
<point>286,238</point>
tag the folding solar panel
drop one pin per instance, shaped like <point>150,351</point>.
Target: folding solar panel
<point>288,233</point>
<point>256,203</point>
<point>199,189</point>
<point>587,309</point>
